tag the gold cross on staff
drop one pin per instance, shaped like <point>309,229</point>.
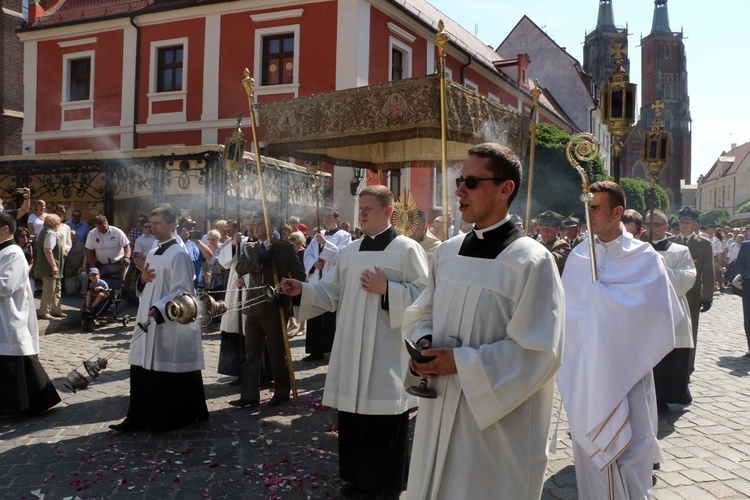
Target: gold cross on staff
<point>618,51</point>
<point>657,106</point>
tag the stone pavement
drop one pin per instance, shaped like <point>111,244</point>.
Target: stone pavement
<point>291,452</point>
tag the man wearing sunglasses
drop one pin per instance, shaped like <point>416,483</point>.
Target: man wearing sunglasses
<point>495,355</point>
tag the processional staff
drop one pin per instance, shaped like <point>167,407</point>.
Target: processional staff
<point>249,83</point>
<point>585,147</point>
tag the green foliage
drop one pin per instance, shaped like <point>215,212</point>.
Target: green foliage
<point>717,216</point>
<point>557,185</point>
<point>743,209</point>
<point>638,195</point>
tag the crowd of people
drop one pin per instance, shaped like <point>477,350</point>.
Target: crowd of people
<point>494,312</point>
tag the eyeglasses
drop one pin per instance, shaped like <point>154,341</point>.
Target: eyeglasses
<point>472,182</point>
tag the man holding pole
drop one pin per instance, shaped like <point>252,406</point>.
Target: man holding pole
<point>262,260</point>
<point>605,379</point>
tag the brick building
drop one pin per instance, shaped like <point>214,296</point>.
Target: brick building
<point>11,85</point>
<point>120,75</point>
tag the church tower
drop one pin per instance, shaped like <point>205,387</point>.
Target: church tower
<point>597,59</point>
<point>664,78</point>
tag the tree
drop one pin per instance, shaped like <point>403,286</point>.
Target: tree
<point>743,209</point>
<point>557,185</point>
<point>638,195</point>
<point>714,217</point>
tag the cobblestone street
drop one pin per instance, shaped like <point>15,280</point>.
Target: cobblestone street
<point>291,452</point>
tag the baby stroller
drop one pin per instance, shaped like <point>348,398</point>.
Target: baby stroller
<point>107,311</point>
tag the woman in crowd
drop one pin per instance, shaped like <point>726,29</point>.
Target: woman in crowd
<point>285,231</point>
<point>49,267</point>
<point>213,272</point>
<point>36,220</point>
<point>298,241</point>
<point>23,240</point>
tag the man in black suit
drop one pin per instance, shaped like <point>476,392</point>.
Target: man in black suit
<point>261,259</point>
<point>701,295</point>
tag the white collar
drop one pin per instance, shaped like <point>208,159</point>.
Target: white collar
<point>373,236</point>
<point>160,243</point>
<point>480,232</point>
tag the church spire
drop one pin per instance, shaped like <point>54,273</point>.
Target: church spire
<point>661,17</point>
<point>606,17</point>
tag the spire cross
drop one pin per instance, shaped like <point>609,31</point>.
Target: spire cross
<point>657,106</point>
<point>619,52</point>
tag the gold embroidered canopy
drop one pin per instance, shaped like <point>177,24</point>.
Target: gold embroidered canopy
<point>388,125</point>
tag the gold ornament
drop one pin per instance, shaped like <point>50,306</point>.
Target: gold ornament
<point>405,215</point>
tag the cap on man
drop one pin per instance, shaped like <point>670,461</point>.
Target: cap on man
<point>549,226</point>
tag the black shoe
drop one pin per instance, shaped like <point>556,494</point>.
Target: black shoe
<point>237,381</point>
<point>348,488</point>
<point>127,425</point>
<point>278,400</point>
<point>313,357</point>
<point>241,403</point>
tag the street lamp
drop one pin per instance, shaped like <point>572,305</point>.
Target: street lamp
<point>234,151</point>
<point>655,154</point>
<point>618,104</point>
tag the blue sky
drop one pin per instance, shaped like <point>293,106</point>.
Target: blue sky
<point>717,74</point>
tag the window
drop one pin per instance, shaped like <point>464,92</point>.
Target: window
<point>397,64</point>
<point>169,69</point>
<point>278,59</point>
<point>80,79</point>
<point>667,52</point>
<point>399,60</point>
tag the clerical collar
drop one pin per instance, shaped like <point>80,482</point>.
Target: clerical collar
<point>164,246</point>
<point>659,241</point>
<point>329,232</point>
<point>373,236</point>
<point>5,244</point>
<point>481,232</point>
<point>162,243</point>
<point>378,242</point>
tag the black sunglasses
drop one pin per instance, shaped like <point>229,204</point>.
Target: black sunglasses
<point>472,182</point>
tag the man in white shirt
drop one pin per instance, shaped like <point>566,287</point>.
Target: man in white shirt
<point>108,249</point>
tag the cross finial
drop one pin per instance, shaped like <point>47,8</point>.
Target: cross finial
<point>618,51</point>
<point>657,106</point>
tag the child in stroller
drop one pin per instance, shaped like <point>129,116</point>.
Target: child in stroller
<point>97,291</point>
<point>104,305</point>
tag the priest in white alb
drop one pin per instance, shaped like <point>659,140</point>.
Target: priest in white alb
<point>492,316</point>
<point>377,277</point>
<point>166,386</point>
<point>617,328</point>
<point>321,255</point>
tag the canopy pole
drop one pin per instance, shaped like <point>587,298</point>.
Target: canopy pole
<point>441,40</point>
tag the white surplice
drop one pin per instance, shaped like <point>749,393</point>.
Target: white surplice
<point>364,372</point>
<point>485,434</point>
<point>616,330</point>
<point>230,321</point>
<point>682,275</point>
<point>170,346</point>
<point>19,332</point>
<point>334,245</point>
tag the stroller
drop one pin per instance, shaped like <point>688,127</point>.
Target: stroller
<point>107,311</point>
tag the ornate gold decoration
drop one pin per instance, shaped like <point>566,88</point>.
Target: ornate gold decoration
<point>405,214</point>
<point>584,147</point>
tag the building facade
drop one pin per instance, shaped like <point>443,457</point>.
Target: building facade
<point>11,84</point>
<point>726,186</point>
<point>154,73</point>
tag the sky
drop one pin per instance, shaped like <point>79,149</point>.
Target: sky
<point>717,73</point>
